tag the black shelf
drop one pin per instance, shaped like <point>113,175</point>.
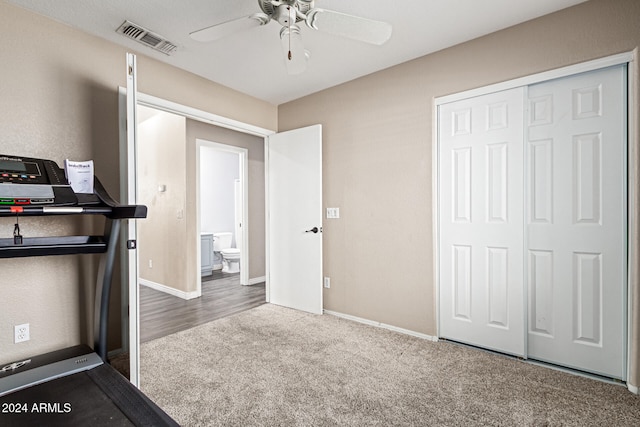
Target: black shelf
<point>43,246</point>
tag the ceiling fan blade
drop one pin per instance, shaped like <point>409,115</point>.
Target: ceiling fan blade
<point>353,27</point>
<point>216,32</point>
<point>294,54</point>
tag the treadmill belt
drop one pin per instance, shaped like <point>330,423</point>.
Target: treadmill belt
<point>97,397</point>
<point>131,401</point>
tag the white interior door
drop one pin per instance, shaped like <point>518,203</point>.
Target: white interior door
<point>576,221</point>
<point>294,209</point>
<point>481,221</point>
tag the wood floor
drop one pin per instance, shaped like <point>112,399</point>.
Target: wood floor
<point>163,314</point>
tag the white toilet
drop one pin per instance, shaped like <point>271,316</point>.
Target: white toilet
<point>230,256</point>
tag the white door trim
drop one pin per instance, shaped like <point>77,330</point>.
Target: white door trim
<point>570,70</point>
<point>243,153</point>
<point>618,59</point>
<point>202,116</point>
<point>632,203</point>
<point>129,189</point>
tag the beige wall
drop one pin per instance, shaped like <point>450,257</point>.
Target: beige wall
<point>162,236</point>
<point>58,99</point>
<point>378,142</point>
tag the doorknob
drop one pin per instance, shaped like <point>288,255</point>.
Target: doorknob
<point>314,230</point>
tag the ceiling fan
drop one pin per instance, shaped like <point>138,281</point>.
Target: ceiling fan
<point>288,13</point>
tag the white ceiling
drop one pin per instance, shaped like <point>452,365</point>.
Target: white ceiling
<point>252,61</point>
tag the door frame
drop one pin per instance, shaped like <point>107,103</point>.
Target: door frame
<point>244,182</point>
<point>130,330</point>
<point>627,58</point>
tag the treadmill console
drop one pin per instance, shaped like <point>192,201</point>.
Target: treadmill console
<point>29,181</point>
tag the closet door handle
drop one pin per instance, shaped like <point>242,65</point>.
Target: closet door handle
<point>313,230</point>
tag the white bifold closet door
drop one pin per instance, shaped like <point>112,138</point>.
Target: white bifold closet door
<point>532,221</point>
<point>576,221</point>
<point>481,221</point>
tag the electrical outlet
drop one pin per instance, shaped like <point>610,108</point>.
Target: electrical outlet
<point>150,263</point>
<point>21,333</point>
<point>327,282</point>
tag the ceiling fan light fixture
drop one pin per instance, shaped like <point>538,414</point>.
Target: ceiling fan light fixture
<point>295,55</point>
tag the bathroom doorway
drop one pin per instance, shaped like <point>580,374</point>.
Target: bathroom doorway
<point>221,195</point>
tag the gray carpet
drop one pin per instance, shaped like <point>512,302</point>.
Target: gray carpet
<point>271,366</point>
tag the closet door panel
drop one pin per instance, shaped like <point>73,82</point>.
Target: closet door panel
<point>576,221</point>
<point>481,221</point>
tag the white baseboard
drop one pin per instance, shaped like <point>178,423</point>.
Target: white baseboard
<point>382,325</point>
<point>256,280</point>
<point>169,290</point>
<point>632,388</point>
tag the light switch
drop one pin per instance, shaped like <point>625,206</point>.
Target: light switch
<point>333,213</point>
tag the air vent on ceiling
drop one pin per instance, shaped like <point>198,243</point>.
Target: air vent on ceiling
<point>146,37</point>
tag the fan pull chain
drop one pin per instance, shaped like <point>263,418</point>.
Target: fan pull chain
<point>289,9</point>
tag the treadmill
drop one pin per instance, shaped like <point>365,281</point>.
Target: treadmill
<point>72,386</point>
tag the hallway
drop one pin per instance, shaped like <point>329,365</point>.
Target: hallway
<point>222,295</point>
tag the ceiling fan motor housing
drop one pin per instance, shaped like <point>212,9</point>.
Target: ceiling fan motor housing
<point>285,15</point>
<point>286,12</point>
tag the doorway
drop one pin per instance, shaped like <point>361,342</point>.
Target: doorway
<point>222,200</point>
<point>173,294</point>
<point>129,100</point>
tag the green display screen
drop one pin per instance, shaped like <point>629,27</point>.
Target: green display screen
<point>9,166</point>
